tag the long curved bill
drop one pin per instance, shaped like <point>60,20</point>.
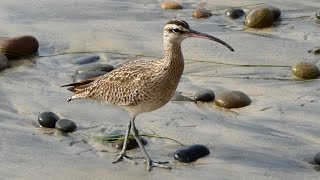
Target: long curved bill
<point>193,33</point>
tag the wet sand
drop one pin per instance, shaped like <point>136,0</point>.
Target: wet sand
<point>273,138</point>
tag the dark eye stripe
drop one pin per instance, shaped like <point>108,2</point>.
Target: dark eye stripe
<point>175,30</point>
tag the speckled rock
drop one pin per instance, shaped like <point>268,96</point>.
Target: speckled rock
<point>19,46</point>
<point>201,13</point>
<point>66,125</point>
<point>86,60</point>
<point>131,144</point>
<point>171,5</point>
<point>259,18</point>
<point>3,62</point>
<point>48,119</point>
<point>95,67</point>
<point>305,70</point>
<point>234,13</point>
<point>318,14</point>
<point>317,159</point>
<point>232,99</point>
<point>205,95</point>
<point>179,97</point>
<point>87,75</point>
<point>191,153</point>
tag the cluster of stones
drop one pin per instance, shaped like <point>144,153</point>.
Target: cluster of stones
<point>15,47</point>
<point>51,120</point>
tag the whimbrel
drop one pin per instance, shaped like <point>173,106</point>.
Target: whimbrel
<point>140,86</point>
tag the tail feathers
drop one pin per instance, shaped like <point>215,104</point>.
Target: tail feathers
<point>79,85</point>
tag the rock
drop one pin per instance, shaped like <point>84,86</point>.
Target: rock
<point>318,14</point>
<point>314,50</point>
<point>191,153</point>
<point>201,13</point>
<point>305,70</point>
<point>276,11</point>
<point>19,46</point>
<point>178,97</point>
<point>95,67</point>
<point>131,144</point>
<point>232,99</point>
<point>234,13</point>
<point>259,18</point>
<point>65,125</point>
<point>171,5</point>
<point>205,95</point>
<point>3,62</point>
<point>86,60</point>
<point>87,75</point>
<point>48,119</point>
<point>317,159</point>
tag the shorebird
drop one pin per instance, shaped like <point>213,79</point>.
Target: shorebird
<point>143,85</point>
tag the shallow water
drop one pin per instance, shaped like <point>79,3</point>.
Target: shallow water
<point>272,138</point>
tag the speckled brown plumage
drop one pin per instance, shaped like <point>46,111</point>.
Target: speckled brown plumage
<point>143,85</point>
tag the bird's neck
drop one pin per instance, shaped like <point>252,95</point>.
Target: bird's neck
<point>173,58</point>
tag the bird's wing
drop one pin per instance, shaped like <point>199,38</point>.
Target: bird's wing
<point>126,85</point>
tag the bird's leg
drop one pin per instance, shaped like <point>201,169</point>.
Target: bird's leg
<point>149,161</point>
<point>122,155</point>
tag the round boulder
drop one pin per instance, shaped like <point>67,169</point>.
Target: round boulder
<point>232,99</point>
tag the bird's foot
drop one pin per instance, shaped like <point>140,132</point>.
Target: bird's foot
<point>151,164</point>
<point>124,157</point>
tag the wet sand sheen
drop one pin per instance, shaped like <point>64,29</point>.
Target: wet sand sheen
<point>271,138</point>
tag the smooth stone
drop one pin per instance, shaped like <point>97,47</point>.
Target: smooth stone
<point>317,159</point>
<point>191,153</point>
<point>66,125</point>
<point>318,14</point>
<point>178,97</point>
<point>87,75</point>
<point>259,18</point>
<point>305,70</point>
<point>232,99</point>
<point>234,13</point>
<point>201,13</point>
<point>205,95</point>
<point>19,46</point>
<point>171,5</point>
<point>131,144</point>
<point>95,67</point>
<point>314,51</point>
<point>86,60</point>
<point>48,119</point>
<point>3,62</point>
<point>275,11</point>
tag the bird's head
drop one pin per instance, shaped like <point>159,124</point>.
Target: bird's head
<point>177,30</point>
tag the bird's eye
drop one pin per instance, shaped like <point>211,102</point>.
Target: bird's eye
<point>176,30</point>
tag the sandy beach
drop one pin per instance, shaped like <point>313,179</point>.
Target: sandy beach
<point>275,137</point>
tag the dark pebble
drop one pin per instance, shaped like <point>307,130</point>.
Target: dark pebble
<point>131,144</point>
<point>86,60</point>
<point>65,125</point>
<point>95,67</point>
<point>317,159</point>
<point>234,13</point>
<point>191,153</point>
<point>318,14</point>
<point>314,50</point>
<point>205,95</point>
<point>87,75</point>
<point>178,97</point>
<point>48,119</point>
